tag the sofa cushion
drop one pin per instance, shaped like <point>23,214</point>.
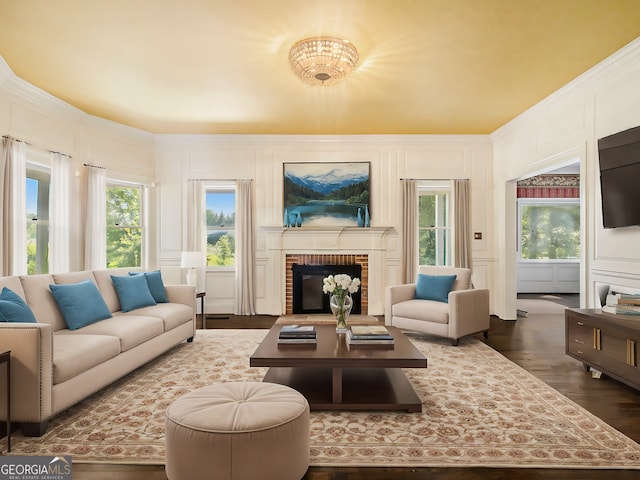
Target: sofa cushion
<point>42,303</point>
<point>81,303</point>
<point>132,330</point>
<point>13,308</point>
<point>12,283</point>
<point>133,292</point>
<point>156,285</point>
<point>75,353</point>
<point>427,310</point>
<point>73,277</point>
<point>463,280</point>
<point>434,287</point>
<point>172,314</point>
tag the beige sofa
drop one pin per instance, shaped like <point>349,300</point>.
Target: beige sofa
<point>53,367</point>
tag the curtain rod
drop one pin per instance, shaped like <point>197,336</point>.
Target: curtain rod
<point>435,179</point>
<point>93,166</point>
<point>217,179</point>
<point>8,137</point>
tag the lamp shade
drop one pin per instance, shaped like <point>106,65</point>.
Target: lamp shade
<point>191,260</point>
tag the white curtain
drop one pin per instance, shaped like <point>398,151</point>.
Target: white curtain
<point>196,215</point>
<point>59,214</point>
<point>462,224</point>
<point>410,229</point>
<point>245,250</point>
<point>196,226</point>
<point>95,248</point>
<point>13,203</point>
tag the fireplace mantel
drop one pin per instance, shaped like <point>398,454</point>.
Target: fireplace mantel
<point>326,238</point>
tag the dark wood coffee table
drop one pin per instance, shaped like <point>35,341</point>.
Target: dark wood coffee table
<point>335,376</point>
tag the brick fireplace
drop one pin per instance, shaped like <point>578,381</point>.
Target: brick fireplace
<point>327,259</point>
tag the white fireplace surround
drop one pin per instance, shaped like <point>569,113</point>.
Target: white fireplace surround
<point>280,241</point>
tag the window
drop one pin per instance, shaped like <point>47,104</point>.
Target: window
<point>37,197</point>
<point>221,221</point>
<point>124,225</point>
<point>434,232</point>
<point>549,230</point>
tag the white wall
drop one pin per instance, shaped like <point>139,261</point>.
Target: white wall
<point>261,157</point>
<point>563,127</point>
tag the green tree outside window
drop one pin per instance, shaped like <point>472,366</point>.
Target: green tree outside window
<point>550,231</point>
<point>433,232</point>
<point>221,234</point>
<point>124,229</point>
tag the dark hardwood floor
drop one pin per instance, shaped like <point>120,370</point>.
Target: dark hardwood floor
<point>536,343</point>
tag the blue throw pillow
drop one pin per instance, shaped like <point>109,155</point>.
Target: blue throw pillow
<point>156,285</point>
<point>13,308</point>
<point>434,287</point>
<point>133,292</point>
<point>80,303</point>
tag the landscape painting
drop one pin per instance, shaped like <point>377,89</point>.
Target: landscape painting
<point>326,194</point>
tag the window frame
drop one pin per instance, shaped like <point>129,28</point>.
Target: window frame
<point>118,183</point>
<point>522,202</point>
<point>41,172</point>
<point>220,187</point>
<point>435,188</point>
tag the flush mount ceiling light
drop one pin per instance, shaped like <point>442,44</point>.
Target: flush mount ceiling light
<point>323,60</point>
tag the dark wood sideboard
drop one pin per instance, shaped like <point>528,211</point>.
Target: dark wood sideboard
<point>605,342</point>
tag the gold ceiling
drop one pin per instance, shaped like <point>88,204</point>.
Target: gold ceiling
<point>221,66</point>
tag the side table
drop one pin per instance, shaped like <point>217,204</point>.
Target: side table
<point>5,357</point>
<point>201,296</point>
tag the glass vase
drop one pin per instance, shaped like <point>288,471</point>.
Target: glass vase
<point>341,308</point>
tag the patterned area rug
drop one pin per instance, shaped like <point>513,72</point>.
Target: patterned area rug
<point>479,409</point>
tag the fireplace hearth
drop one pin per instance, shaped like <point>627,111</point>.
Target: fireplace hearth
<point>308,296</point>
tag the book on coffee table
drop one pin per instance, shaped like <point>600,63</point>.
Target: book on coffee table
<point>369,332</point>
<point>297,331</point>
<point>369,335</point>
<point>297,341</point>
<point>297,334</point>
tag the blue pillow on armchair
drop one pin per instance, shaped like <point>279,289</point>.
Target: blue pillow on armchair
<point>13,308</point>
<point>434,287</point>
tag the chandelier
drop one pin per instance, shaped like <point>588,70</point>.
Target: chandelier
<point>323,60</point>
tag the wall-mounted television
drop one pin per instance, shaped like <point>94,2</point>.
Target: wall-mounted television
<point>619,156</point>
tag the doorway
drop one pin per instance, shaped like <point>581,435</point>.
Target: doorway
<point>548,239</point>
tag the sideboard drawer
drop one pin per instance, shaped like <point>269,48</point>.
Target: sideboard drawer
<point>582,339</point>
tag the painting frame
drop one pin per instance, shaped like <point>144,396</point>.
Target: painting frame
<point>326,194</point>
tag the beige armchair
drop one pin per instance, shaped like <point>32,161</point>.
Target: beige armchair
<point>467,311</point>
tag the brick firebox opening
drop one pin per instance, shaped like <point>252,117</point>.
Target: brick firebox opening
<point>324,259</point>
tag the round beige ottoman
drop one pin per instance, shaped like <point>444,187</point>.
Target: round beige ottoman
<point>238,431</point>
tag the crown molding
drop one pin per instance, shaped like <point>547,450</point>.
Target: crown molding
<point>27,94</point>
<point>5,71</point>
<point>392,140</point>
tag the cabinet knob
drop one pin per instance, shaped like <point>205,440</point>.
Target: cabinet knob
<point>581,324</point>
